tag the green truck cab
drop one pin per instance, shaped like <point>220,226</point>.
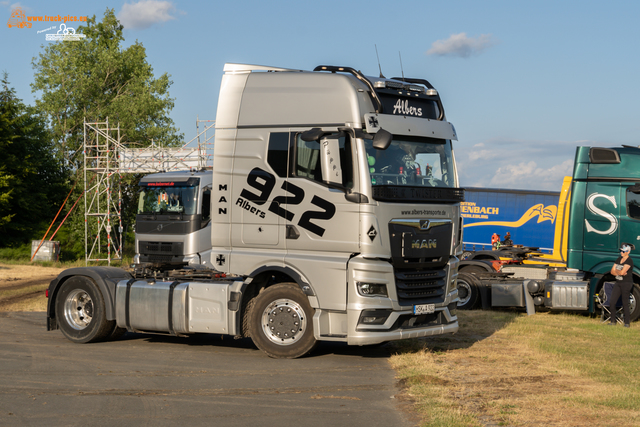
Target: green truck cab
<point>604,213</point>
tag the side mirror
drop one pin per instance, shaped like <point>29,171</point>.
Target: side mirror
<point>382,140</point>
<point>311,134</point>
<point>330,160</point>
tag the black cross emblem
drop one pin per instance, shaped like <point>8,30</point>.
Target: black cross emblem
<point>373,122</point>
<point>220,259</point>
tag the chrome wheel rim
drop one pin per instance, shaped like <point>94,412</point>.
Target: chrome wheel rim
<point>78,309</point>
<point>464,292</point>
<point>284,322</point>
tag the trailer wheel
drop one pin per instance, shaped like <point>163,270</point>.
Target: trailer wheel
<point>281,322</point>
<point>81,313</point>
<point>467,291</point>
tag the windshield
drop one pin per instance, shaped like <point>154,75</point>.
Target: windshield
<point>425,162</point>
<point>155,200</point>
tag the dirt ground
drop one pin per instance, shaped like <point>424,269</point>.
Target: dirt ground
<point>22,287</point>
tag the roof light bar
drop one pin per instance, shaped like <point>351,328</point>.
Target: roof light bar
<point>390,84</point>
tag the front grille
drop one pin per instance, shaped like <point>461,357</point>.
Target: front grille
<point>161,248</point>
<point>160,258</point>
<point>420,286</point>
<point>412,194</point>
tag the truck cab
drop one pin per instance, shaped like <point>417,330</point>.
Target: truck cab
<point>173,220</point>
<point>335,216</point>
<point>604,213</point>
<point>346,187</point>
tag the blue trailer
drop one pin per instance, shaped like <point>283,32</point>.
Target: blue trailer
<point>528,215</point>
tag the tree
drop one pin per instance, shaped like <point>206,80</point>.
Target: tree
<point>95,78</point>
<point>32,181</point>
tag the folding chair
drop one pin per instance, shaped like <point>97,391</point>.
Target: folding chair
<point>604,299</point>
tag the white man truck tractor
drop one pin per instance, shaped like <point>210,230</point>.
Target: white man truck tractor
<point>335,216</point>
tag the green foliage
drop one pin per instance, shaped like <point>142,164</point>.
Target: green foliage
<point>32,181</point>
<point>95,78</point>
<point>20,253</point>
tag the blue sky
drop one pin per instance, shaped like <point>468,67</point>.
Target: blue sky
<point>524,83</point>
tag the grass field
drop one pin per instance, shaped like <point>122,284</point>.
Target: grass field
<point>501,368</point>
<point>507,368</point>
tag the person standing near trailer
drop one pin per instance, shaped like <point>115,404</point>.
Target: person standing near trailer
<point>624,281</point>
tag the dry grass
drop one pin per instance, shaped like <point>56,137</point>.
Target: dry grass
<point>505,368</point>
<point>22,286</point>
<point>28,303</point>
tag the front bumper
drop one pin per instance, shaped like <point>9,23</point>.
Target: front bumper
<point>403,325</point>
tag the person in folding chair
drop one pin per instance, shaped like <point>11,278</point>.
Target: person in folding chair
<point>623,272</point>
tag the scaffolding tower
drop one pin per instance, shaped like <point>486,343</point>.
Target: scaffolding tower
<point>106,159</point>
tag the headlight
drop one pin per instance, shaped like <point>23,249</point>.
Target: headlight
<point>371,289</point>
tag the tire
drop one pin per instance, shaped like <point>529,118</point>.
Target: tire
<point>291,334</point>
<point>467,291</point>
<point>470,269</point>
<point>115,333</point>
<point>634,304</point>
<point>80,311</point>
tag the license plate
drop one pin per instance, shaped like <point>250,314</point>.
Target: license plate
<point>424,309</point>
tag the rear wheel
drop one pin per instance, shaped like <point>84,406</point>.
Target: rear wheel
<point>281,322</point>
<point>467,291</point>
<point>80,311</point>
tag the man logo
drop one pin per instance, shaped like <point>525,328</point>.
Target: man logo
<point>424,224</point>
<point>420,244</point>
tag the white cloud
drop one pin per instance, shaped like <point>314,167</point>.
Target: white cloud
<point>525,173</point>
<point>145,13</point>
<point>15,5</point>
<point>516,164</point>
<point>461,46</point>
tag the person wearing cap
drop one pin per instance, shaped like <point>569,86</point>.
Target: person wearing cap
<point>623,272</point>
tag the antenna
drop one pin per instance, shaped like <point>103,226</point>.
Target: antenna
<point>379,67</point>
<point>401,69</point>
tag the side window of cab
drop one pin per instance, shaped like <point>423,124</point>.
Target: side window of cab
<point>306,160</point>
<point>206,206</point>
<point>633,202</point>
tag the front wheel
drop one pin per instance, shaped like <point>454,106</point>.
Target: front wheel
<point>634,303</point>
<point>80,311</point>
<point>281,322</point>
<point>467,291</point>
